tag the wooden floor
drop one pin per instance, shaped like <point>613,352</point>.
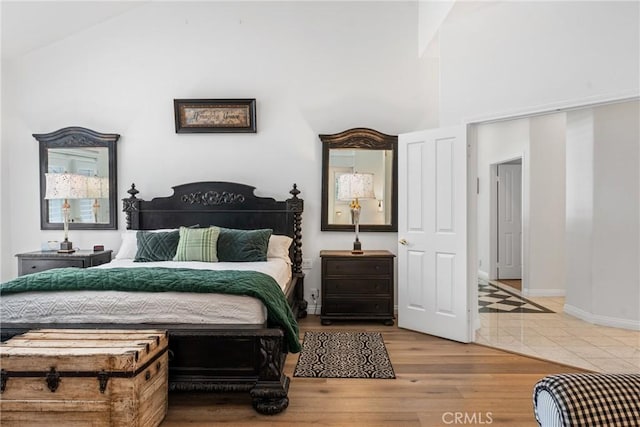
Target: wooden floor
<point>436,380</point>
<point>514,283</point>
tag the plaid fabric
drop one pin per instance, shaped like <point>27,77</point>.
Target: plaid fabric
<point>198,244</point>
<point>590,399</point>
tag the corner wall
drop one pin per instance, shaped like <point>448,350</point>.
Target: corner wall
<point>603,226</point>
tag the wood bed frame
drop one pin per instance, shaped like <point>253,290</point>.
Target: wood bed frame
<point>220,357</point>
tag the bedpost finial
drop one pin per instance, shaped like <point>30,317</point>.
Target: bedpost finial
<point>295,191</point>
<point>132,191</point>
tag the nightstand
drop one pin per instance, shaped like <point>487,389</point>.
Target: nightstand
<point>34,262</point>
<point>357,286</point>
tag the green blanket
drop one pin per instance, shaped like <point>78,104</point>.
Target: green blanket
<point>251,283</point>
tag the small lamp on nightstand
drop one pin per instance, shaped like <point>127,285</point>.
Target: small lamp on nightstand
<point>354,186</point>
<point>97,188</point>
<point>65,186</point>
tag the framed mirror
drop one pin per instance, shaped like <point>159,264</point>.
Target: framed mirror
<point>372,154</point>
<point>85,160</point>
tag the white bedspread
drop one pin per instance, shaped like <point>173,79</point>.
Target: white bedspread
<point>145,307</point>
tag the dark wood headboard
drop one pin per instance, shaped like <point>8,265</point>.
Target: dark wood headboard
<point>224,204</point>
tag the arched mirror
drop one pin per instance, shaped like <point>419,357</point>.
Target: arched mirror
<point>78,168</point>
<point>372,155</point>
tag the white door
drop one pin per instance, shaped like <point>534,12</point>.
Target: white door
<point>509,221</point>
<point>432,231</point>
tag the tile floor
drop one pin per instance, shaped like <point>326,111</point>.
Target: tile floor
<point>562,338</point>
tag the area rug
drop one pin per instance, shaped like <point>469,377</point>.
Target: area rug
<point>344,355</point>
<point>492,299</point>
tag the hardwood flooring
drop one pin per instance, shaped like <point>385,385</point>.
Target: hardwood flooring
<point>513,283</point>
<point>436,381</point>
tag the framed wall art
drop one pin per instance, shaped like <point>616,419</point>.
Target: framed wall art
<point>215,115</point>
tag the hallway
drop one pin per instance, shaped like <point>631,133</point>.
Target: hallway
<point>561,338</point>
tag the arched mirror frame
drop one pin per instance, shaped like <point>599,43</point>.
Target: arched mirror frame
<point>361,139</point>
<point>78,137</point>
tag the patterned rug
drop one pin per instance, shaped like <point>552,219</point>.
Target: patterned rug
<point>492,299</point>
<point>344,355</point>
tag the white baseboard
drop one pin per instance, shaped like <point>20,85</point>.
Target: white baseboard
<point>483,275</point>
<point>597,319</point>
<point>543,292</point>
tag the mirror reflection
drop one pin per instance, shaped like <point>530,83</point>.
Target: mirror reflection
<point>78,179</point>
<point>359,174</point>
<point>375,208</point>
<point>80,176</point>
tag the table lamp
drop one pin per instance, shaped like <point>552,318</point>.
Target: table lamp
<point>65,186</point>
<point>355,186</point>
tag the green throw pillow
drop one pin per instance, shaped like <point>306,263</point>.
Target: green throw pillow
<point>197,244</point>
<point>156,246</point>
<point>243,245</point>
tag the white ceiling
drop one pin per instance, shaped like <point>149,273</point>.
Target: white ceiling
<point>29,25</point>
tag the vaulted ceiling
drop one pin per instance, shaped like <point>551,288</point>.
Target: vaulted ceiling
<point>29,25</point>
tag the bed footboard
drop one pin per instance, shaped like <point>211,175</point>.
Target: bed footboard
<point>231,360</point>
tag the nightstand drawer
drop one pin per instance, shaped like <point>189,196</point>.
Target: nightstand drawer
<point>35,262</point>
<point>358,286</point>
<point>361,306</point>
<point>36,265</point>
<point>358,266</point>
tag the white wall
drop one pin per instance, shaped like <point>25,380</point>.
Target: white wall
<point>313,68</point>
<point>603,228</point>
<point>499,59</point>
<point>579,208</point>
<point>431,15</point>
<point>547,135</point>
<point>4,190</point>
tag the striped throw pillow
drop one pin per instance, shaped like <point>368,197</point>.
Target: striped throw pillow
<point>198,244</point>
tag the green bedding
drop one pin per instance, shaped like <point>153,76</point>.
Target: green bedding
<point>251,283</point>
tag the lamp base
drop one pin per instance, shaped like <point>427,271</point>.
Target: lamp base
<point>357,248</point>
<point>66,247</point>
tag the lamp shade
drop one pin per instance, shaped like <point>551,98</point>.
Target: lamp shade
<point>97,187</point>
<point>65,186</point>
<point>355,186</point>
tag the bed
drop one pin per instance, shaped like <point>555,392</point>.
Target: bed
<point>242,351</point>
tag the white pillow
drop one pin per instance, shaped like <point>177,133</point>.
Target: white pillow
<point>129,245</point>
<point>279,247</point>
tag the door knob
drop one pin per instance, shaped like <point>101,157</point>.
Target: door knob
<point>403,242</point>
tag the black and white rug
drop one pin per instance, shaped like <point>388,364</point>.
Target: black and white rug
<point>344,355</point>
<point>492,299</point>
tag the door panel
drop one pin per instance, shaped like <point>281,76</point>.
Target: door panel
<point>509,221</point>
<point>432,254</point>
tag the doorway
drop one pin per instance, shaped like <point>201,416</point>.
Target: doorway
<point>553,197</point>
<point>506,218</point>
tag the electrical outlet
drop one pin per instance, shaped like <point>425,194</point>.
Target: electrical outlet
<point>306,264</point>
<point>315,294</point>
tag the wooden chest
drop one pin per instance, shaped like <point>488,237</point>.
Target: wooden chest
<point>84,377</point>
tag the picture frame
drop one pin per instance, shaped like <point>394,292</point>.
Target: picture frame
<point>215,115</point>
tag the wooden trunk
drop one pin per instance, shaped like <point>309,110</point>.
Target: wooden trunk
<point>76,377</point>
